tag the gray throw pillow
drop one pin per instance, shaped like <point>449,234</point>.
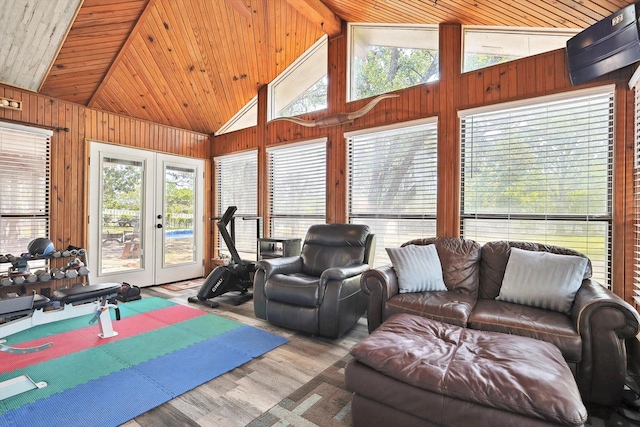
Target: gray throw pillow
<point>418,268</point>
<point>542,279</point>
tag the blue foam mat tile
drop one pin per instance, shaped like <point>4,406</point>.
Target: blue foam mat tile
<point>108,401</point>
<point>253,341</point>
<point>191,366</point>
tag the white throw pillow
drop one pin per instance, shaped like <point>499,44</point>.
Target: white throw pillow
<point>418,268</point>
<point>542,279</point>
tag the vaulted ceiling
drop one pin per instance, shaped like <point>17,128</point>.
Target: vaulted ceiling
<point>193,64</point>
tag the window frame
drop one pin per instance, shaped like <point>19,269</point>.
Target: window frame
<point>606,218</point>
<point>245,118</point>
<point>294,72</point>
<point>351,26</point>
<point>314,218</point>
<point>41,183</point>
<point>427,219</point>
<point>515,31</point>
<point>245,221</point>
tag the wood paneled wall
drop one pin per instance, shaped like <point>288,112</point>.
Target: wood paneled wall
<point>75,125</point>
<point>530,77</point>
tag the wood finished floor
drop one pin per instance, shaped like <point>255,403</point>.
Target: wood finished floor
<point>241,395</point>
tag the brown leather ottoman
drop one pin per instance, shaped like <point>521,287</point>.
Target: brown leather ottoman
<point>414,371</point>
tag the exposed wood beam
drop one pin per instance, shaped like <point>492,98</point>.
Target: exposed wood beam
<point>319,14</point>
<point>125,46</point>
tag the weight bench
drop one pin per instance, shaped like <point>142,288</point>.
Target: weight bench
<point>26,312</point>
<point>22,313</point>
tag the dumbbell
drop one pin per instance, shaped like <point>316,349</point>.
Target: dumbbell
<point>66,253</point>
<point>82,251</point>
<point>3,258</point>
<point>83,271</point>
<point>56,254</point>
<point>71,273</point>
<point>10,258</point>
<point>6,281</point>
<point>32,278</point>
<point>19,280</point>
<point>56,273</point>
<point>43,275</point>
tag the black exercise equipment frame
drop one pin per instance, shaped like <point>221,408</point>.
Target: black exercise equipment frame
<point>234,277</point>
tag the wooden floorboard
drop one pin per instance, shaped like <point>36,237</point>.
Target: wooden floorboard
<point>241,395</point>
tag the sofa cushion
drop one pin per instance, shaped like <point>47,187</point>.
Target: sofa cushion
<point>450,307</point>
<point>495,256</point>
<point>418,268</point>
<point>297,289</point>
<point>542,279</point>
<point>459,259</point>
<point>532,322</point>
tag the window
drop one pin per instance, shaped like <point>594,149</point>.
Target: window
<point>302,87</point>
<point>484,46</point>
<point>541,171</point>
<point>237,185</point>
<point>297,187</point>
<point>388,58</point>
<point>24,193</point>
<point>245,118</point>
<point>393,184</point>
<point>634,84</point>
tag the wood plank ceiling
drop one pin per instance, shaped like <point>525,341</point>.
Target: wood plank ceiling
<point>193,64</point>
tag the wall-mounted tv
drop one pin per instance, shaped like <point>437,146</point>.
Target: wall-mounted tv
<point>605,46</point>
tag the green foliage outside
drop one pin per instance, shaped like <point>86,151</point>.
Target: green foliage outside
<point>122,190</point>
<point>313,99</point>
<point>385,69</point>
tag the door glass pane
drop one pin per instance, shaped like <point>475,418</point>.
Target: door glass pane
<point>180,208</point>
<point>122,183</point>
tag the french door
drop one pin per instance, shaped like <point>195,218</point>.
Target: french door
<point>146,216</point>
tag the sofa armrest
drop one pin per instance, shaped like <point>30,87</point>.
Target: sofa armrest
<point>604,321</point>
<point>380,284</point>
<point>285,265</point>
<point>592,297</point>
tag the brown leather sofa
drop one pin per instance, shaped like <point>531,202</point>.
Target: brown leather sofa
<point>591,338</point>
<point>319,291</point>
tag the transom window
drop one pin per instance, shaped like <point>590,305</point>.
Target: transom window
<point>542,172</point>
<point>388,58</point>
<point>302,87</point>
<point>393,183</point>
<point>484,46</point>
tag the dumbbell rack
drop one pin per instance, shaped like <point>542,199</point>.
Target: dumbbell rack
<point>52,284</point>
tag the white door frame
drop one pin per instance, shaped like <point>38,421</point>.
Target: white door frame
<point>151,271</point>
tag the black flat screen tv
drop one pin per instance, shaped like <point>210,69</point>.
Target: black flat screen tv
<point>606,46</point>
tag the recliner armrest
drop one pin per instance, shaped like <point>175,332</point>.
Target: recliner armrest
<point>341,273</point>
<point>285,265</point>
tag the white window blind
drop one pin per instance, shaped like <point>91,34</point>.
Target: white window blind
<point>393,184</point>
<point>636,192</point>
<point>297,188</point>
<point>24,193</point>
<point>237,185</point>
<point>542,173</point>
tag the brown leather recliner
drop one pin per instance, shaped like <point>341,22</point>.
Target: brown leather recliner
<point>319,291</point>
<point>591,338</point>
